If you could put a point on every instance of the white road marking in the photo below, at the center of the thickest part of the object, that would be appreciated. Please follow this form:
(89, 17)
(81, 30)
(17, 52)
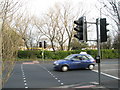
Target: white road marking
(25, 83)
(88, 86)
(51, 74)
(24, 78)
(94, 83)
(107, 75)
(23, 75)
(80, 85)
(61, 83)
(111, 70)
(54, 76)
(58, 80)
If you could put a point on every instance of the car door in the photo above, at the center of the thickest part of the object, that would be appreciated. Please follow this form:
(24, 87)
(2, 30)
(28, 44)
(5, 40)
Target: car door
(75, 62)
(84, 61)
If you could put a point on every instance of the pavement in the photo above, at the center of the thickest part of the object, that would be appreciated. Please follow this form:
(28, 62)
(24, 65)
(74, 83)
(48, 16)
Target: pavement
(91, 86)
(83, 86)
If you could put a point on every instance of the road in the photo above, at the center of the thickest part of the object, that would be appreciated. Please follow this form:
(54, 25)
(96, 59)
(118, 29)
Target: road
(41, 75)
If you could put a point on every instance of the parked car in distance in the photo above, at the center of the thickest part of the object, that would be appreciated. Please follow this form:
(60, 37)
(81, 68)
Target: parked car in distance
(75, 61)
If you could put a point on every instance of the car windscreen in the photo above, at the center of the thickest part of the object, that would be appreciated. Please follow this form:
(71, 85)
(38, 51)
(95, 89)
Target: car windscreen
(69, 57)
(90, 57)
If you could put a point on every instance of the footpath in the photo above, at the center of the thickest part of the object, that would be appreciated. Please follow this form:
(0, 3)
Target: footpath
(108, 85)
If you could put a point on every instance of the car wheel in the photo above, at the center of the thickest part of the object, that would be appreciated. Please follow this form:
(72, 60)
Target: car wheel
(64, 68)
(91, 66)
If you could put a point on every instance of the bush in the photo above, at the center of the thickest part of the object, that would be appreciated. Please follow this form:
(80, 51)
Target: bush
(105, 54)
(29, 54)
(92, 52)
(109, 54)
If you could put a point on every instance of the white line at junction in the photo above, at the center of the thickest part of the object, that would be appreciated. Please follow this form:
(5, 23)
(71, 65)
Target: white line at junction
(107, 75)
(111, 70)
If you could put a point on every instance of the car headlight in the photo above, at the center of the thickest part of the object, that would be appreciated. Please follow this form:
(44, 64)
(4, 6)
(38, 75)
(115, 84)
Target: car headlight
(55, 63)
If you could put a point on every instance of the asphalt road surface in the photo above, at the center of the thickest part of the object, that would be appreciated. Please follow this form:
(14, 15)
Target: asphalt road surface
(41, 75)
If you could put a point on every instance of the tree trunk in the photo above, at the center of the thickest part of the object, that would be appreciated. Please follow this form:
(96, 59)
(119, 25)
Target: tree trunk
(52, 45)
(61, 46)
(69, 42)
(26, 43)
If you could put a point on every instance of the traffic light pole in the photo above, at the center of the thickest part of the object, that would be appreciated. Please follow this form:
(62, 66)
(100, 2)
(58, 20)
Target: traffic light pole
(98, 47)
(81, 32)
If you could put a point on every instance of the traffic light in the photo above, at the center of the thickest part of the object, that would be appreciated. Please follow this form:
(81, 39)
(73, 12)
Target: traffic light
(103, 30)
(40, 44)
(45, 44)
(81, 29)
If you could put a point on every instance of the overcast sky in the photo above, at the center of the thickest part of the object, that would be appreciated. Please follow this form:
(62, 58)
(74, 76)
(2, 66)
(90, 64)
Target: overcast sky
(38, 7)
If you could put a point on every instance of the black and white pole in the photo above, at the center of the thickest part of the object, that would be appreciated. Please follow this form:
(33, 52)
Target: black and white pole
(98, 48)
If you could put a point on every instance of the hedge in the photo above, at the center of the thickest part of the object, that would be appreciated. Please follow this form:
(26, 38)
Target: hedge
(29, 54)
(109, 54)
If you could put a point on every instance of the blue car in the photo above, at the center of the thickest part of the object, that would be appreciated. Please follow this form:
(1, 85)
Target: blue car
(75, 61)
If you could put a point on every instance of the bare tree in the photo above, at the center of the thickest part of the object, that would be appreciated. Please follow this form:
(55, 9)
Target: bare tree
(60, 37)
(68, 17)
(48, 27)
(112, 11)
(10, 39)
(58, 26)
(24, 27)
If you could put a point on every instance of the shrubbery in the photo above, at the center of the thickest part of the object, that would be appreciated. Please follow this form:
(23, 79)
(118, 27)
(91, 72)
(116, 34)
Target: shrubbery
(29, 54)
(109, 53)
